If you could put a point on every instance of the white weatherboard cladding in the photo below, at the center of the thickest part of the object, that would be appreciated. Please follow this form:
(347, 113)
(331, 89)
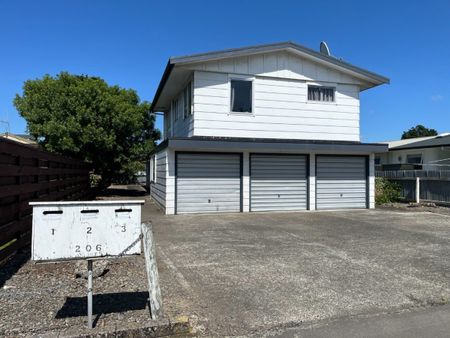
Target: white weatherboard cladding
(278, 182)
(208, 183)
(158, 188)
(77, 230)
(281, 110)
(177, 124)
(341, 182)
(279, 65)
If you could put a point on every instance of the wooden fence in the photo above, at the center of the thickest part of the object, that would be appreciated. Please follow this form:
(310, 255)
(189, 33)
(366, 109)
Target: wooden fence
(421, 185)
(29, 174)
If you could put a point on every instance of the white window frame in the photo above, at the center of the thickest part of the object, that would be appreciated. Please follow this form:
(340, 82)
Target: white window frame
(241, 78)
(321, 84)
(153, 169)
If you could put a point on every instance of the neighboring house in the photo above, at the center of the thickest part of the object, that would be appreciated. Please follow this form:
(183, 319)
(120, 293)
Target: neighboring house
(266, 128)
(21, 138)
(427, 153)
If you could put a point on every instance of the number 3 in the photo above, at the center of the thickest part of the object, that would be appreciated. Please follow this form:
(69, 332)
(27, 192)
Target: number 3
(124, 228)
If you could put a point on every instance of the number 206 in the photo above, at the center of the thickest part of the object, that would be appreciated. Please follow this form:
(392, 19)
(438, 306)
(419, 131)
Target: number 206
(88, 248)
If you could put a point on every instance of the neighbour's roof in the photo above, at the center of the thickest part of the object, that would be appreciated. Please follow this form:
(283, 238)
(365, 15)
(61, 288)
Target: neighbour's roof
(421, 142)
(370, 77)
(20, 138)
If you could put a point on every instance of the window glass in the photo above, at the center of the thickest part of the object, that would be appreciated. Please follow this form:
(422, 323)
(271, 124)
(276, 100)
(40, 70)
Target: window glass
(241, 96)
(319, 93)
(175, 109)
(414, 159)
(187, 95)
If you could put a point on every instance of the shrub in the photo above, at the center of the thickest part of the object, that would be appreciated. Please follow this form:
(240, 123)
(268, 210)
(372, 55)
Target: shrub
(386, 191)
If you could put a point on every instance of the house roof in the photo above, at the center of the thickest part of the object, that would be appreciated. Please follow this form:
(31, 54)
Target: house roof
(368, 76)
(441, 140)
(20, 138)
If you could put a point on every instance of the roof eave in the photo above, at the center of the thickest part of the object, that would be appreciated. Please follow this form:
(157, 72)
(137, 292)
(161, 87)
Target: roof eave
(161, 85)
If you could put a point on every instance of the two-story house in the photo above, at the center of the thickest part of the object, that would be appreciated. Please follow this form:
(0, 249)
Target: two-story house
(265, 128)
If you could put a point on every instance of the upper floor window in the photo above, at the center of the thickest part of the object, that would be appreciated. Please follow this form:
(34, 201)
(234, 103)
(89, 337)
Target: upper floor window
(175, 109)
(187, 100)
(241, 96)
(414, 159)
(320, 93)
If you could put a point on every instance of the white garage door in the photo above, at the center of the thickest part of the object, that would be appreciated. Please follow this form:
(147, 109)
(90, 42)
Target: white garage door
(208, 183)
(341, 182)
(278, 182)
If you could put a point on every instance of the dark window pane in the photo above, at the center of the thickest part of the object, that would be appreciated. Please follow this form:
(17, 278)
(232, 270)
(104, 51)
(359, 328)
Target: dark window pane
(241, 96)
(316, 93)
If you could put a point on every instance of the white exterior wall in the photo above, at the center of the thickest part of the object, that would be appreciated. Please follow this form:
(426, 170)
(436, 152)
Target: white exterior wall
(280, 110)
(170, 183)
(158, 187)
(429, 156)
(175, 125)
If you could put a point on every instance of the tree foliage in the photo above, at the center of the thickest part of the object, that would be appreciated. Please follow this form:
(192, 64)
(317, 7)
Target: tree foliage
(83, 117)
(418, 131)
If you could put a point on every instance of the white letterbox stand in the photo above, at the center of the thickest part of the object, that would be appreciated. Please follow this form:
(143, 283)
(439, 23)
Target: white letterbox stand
(86, 230)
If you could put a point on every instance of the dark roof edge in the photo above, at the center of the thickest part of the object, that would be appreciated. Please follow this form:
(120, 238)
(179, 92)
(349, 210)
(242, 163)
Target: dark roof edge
(166, 143)
(162, 83)
(273, 47)
(270, 140)
(419, 147)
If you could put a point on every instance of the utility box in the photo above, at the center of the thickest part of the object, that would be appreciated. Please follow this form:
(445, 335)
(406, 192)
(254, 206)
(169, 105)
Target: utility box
(85, 229)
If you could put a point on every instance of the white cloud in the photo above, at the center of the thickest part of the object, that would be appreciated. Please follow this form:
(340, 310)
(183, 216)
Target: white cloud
(437, 97)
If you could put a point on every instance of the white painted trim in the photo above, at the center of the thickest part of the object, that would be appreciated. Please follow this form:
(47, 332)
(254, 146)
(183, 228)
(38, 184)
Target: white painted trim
(312, 181)
(242, 78)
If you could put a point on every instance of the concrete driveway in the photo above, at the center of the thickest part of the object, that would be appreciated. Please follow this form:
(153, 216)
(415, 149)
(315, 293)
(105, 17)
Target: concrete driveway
(243, 274)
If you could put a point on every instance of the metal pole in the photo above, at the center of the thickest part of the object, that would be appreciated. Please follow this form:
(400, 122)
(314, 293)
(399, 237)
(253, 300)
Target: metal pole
(89, 295)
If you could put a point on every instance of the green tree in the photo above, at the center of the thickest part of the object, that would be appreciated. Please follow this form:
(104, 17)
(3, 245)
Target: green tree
(83, 117)
(418, 131)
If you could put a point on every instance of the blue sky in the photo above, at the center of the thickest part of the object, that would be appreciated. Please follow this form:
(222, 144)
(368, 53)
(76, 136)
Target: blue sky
(128, 43)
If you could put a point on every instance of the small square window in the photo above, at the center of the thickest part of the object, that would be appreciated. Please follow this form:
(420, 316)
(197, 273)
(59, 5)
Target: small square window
(241, 96)
(319, 93)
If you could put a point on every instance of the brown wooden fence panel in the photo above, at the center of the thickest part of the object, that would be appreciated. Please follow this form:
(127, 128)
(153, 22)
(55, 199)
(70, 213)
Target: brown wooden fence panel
(30, 174)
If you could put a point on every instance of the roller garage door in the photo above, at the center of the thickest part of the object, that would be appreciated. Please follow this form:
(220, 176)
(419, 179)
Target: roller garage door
(278, 182)
(208, 183)
(341, 182)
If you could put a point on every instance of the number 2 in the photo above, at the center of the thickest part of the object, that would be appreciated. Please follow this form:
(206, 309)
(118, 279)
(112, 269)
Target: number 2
(77, 248)
(89, 230)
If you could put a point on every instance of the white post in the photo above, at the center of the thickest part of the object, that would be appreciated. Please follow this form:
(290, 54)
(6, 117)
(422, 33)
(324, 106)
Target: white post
(417, 190)
(152, 271)
(312, 181)
(89, 295)
(246, 182)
